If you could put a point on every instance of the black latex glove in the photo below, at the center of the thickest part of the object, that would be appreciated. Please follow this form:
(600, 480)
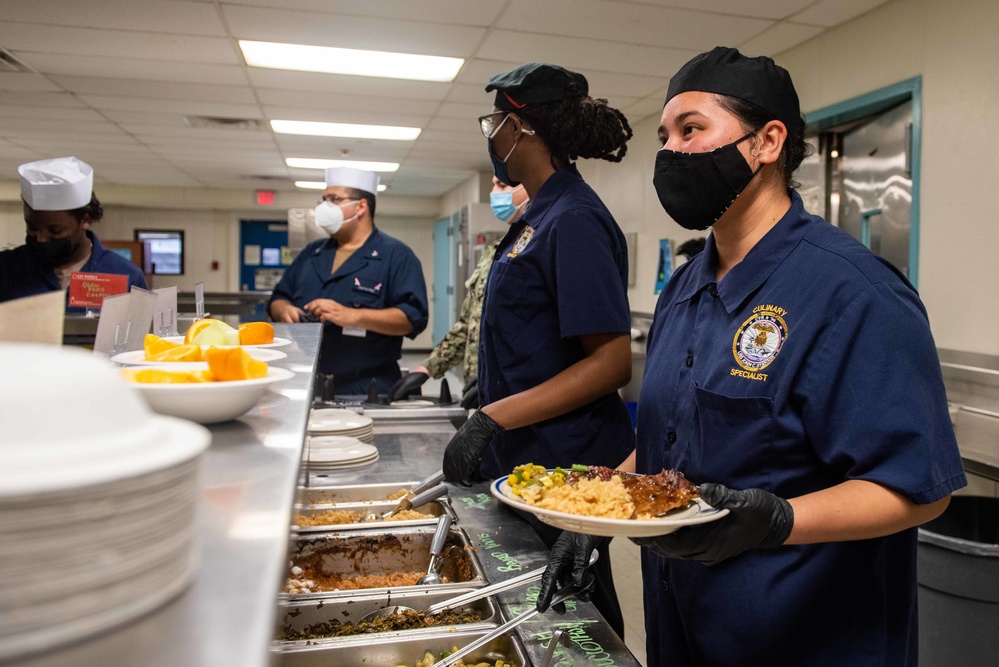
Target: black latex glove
(568, 562)
(464, 452)
(406, 386)
(470, 394)
(756, 519)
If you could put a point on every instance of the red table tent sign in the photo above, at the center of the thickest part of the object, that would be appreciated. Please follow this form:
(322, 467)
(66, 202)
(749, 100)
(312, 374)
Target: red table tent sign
(87, 290)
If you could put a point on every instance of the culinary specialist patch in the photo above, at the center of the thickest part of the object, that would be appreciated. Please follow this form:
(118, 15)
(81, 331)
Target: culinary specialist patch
(522, 241)
(760, 338)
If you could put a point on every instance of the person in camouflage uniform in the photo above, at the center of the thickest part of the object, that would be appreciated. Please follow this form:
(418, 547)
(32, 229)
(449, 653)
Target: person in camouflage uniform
(461, 343)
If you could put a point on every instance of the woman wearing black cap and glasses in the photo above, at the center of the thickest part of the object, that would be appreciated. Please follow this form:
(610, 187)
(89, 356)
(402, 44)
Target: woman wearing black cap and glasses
(554, 344)
(793, 373)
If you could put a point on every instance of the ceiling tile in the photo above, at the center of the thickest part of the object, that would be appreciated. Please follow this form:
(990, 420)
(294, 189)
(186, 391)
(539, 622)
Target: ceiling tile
(357, 149)
(79, 127)
(353, 32)
(461, 12)
(157, 89)
(145, 132)
(25, 81)
(360, 117)
(42, 114)
(834, 12)
(470, 112)
(39, 99)
(774, 9)
(580, 53)
(337, 103)
(116, 43)
(147, 16)
(131, 68)
(629, 23)
(315, 82)
(186, 107)
(478, 71)
(781, 37)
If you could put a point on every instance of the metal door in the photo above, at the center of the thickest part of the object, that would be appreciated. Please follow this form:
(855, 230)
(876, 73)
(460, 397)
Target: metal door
(444, 277)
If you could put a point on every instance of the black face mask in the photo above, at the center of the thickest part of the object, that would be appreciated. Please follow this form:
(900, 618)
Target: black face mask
(52, 253)
(697, 188)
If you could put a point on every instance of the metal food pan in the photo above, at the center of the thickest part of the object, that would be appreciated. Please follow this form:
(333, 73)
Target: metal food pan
(358, 493)
(299, 616)
(351, 554)
(405, 651)
(434, 508)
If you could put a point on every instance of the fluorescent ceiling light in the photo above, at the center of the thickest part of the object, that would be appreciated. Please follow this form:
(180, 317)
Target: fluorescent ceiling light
(321, 185)
(332, 60)
(345, 130)
(313, 163)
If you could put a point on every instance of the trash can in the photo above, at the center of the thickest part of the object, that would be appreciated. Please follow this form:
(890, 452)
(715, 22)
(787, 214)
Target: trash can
(958, 576)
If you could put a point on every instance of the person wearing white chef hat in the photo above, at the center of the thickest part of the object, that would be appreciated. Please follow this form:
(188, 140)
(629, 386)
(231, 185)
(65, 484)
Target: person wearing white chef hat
(366, 287)
(59, 210)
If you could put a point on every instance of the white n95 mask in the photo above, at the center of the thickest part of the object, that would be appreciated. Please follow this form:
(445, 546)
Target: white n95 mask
(329, 217)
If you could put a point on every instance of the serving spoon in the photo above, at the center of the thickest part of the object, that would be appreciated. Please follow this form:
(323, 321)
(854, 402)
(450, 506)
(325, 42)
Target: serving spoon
(423, 498)
(473, 596)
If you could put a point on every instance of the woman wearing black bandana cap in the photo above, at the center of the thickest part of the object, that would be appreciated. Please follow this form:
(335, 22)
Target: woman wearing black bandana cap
(554, 337)
(791, 372)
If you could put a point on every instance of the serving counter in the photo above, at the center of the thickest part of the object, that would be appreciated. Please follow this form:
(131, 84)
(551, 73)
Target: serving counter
(228, 615)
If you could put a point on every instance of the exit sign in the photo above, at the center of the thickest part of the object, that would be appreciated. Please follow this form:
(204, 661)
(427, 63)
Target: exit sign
(265, 197)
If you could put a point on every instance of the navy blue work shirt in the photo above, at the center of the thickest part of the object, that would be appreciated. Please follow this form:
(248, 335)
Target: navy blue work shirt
(382, 273)
(810, 363)
(560, 273)
(22, 275)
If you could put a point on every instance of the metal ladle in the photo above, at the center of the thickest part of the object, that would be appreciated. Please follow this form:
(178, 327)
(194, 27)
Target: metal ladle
(433, 577)
(409, 503)
(473, 596)
(561, 596)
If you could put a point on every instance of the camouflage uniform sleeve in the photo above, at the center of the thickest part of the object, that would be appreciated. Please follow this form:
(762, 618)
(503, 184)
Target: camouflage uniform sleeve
(461, 343)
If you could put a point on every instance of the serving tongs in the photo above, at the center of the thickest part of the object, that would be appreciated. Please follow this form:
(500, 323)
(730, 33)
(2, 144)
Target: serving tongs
(423, 498)
(562, 595)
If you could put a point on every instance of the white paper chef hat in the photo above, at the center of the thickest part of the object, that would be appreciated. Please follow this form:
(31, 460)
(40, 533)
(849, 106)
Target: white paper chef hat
(59, 184)
(348, 177)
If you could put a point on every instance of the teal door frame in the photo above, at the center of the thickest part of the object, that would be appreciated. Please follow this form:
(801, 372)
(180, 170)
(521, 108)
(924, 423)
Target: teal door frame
(874, 102)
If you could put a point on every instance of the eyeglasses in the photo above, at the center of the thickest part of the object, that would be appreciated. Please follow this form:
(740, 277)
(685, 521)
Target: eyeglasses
(488, 125)
(334, 199)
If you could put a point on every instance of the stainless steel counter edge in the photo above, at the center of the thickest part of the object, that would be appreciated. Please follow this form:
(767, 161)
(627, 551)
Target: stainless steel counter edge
(250, 472)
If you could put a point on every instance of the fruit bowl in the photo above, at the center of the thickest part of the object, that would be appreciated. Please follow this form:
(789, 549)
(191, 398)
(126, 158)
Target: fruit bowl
(208, 402)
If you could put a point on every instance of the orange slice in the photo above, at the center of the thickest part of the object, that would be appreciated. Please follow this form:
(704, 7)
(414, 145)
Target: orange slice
(195, 328)
(234, 364)
(153, 345)
(157, 376)
(256, 333)
(178, 353)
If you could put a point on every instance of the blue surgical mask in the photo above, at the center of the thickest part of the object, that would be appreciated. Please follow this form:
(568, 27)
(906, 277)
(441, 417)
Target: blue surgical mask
(502, 204)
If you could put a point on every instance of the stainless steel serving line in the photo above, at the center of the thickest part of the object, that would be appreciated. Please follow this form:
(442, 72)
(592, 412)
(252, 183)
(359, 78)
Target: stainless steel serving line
(504, 545)
(227, 616)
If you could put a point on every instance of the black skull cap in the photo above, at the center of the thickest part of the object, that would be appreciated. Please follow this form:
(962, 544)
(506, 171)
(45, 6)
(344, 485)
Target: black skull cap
(725, 71)
(534, 83)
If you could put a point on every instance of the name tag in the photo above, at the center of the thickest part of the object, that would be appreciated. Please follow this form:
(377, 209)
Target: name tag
(357, 332)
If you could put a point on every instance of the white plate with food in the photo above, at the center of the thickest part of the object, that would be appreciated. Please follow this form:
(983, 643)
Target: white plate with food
(208, 402)
(692, 511)
(138, 357)
(277, 342)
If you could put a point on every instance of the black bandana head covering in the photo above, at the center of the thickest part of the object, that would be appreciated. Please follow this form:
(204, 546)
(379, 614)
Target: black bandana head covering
(759, 81)
(533, 83)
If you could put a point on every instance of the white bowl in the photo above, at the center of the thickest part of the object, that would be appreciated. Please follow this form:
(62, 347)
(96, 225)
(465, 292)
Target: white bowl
(208, 402)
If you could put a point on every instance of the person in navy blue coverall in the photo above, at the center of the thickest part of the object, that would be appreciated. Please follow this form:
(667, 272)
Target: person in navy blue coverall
(58, 243)
(554, 339)
(365, 286)
(792, 373)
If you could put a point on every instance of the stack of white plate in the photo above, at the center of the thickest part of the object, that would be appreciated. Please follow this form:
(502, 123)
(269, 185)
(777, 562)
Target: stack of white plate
(97, 500)
(334, 421)
(338, 452)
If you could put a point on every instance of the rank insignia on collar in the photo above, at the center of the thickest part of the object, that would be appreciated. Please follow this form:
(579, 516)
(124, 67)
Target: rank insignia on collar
(522, 241)
(374, 253)
(760, 338)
